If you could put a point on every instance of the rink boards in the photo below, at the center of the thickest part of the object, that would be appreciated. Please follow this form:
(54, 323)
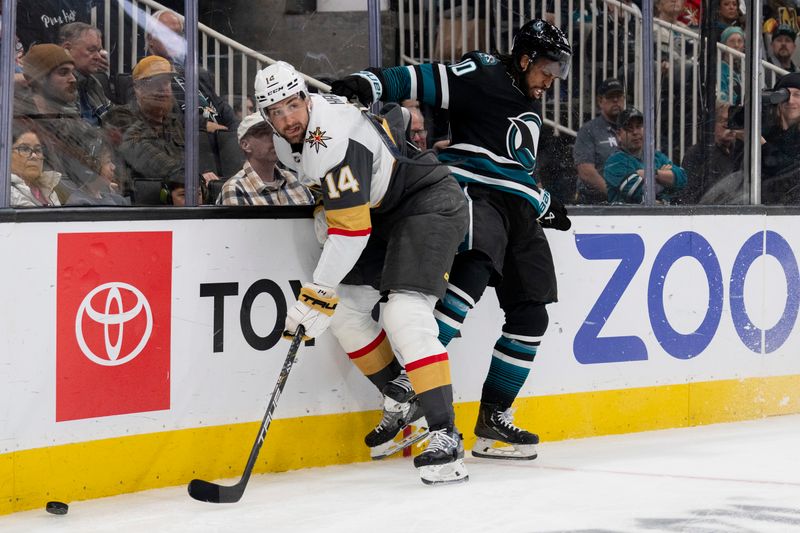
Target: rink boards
(140, 354)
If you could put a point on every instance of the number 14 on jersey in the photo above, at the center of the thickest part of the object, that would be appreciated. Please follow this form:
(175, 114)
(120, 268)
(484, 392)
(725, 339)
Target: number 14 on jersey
(345, 182)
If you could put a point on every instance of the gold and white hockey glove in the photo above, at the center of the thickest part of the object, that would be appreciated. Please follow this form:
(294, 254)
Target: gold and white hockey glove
(313, 310)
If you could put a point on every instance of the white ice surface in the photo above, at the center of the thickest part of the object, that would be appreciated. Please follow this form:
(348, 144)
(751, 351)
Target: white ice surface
(738, 477)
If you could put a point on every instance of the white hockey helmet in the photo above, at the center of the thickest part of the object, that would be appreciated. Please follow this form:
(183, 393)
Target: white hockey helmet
(277, 82)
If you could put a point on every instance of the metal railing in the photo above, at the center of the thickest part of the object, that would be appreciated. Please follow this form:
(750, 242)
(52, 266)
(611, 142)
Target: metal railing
(226, 60)
(606, 36)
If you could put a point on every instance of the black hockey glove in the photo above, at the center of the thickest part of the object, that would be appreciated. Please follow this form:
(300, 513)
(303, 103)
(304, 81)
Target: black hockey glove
(366, 86)
(556, 216)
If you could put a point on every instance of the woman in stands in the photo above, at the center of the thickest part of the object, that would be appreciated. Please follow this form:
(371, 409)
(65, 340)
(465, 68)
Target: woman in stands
(31, 185)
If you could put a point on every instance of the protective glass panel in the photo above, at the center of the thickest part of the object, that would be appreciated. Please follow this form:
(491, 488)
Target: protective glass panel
(323, 40)
(693, 89)
(105, 112)
(579, 110)
(713, 161)
(780, 105)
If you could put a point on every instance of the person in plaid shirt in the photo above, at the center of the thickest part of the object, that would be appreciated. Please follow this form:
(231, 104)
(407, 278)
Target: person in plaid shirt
(261, 181)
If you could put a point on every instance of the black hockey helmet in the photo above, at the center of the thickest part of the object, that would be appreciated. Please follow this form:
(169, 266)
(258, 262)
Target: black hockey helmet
(537, 39)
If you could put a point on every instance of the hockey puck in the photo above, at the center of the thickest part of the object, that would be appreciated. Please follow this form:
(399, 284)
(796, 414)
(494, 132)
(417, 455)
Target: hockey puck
(56, 507)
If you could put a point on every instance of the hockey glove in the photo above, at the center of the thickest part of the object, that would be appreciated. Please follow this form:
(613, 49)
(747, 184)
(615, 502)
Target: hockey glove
(555, 216)
(365, 86)
(313, 310)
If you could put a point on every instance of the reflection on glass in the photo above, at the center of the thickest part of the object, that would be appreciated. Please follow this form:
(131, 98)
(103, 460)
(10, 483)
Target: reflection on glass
(90, 104)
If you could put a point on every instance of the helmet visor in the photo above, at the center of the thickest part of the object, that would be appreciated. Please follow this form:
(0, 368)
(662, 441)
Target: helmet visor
(559, 65)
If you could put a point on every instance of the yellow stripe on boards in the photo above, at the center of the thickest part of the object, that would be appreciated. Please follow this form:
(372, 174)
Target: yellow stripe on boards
(70, 472)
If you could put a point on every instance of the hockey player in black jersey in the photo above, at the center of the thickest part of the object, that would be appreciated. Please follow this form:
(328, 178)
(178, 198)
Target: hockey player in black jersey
(495, 124)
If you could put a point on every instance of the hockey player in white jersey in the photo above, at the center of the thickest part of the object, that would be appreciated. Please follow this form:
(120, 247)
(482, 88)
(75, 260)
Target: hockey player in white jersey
(394, 225)
(495, 123)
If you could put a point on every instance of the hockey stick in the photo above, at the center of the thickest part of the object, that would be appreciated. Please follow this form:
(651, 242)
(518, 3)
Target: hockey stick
(205, 491)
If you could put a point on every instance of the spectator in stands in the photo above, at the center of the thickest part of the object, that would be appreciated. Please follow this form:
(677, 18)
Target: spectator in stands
(729, 14)
(237, 106)
(261, 181)
(675, 59)
(668, 39)
(99, 187)
(418, 131)
(51, 101)
(731, 66)
(173, 191)
(596, 141)
(164, 37)
(624, 170)
(779, 153)
(85, 44)
(153, 145)
(705, 169)
(31, 185)
(783, 46)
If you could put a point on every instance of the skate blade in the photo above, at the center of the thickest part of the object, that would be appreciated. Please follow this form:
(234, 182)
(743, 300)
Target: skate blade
(383, 451)
(488, 449)
(445, 474)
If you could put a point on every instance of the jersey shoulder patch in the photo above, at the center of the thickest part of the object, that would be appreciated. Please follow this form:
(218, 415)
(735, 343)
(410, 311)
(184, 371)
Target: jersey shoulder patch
(484, 58)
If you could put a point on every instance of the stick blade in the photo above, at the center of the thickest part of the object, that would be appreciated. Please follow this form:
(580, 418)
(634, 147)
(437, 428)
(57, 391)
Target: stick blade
(206, 491)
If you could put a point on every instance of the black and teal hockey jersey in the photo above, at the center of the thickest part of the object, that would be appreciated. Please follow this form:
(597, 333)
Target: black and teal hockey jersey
(494, 127)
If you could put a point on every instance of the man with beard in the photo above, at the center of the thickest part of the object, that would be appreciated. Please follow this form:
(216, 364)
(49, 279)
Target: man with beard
(50, 101)
(624, 170)
(153, 145)
(596, 141)
(84, 43)
(394, 220)
(495, 123)
(783, 47)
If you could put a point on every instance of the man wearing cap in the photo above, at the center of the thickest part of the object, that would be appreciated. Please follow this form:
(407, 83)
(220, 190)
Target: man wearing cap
(50, 100)
(153, 145)
(596, 141)
(624, 170)
(261, 181)
(783, 46)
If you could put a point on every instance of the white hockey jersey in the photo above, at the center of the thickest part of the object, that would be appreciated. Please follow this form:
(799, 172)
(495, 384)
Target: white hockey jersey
(351, 157)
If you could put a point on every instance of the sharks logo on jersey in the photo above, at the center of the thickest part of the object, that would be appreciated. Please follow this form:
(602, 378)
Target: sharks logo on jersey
(522, 138)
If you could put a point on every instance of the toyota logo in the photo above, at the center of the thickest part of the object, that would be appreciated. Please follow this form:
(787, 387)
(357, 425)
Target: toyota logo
(113, 314)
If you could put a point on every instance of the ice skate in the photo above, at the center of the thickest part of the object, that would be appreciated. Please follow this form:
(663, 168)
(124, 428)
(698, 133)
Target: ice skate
(495, 427)
(442, 462)
(401, 409)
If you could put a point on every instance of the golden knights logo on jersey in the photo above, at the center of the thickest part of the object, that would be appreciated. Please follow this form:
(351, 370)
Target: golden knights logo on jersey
(317, 138)
(522, 138)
